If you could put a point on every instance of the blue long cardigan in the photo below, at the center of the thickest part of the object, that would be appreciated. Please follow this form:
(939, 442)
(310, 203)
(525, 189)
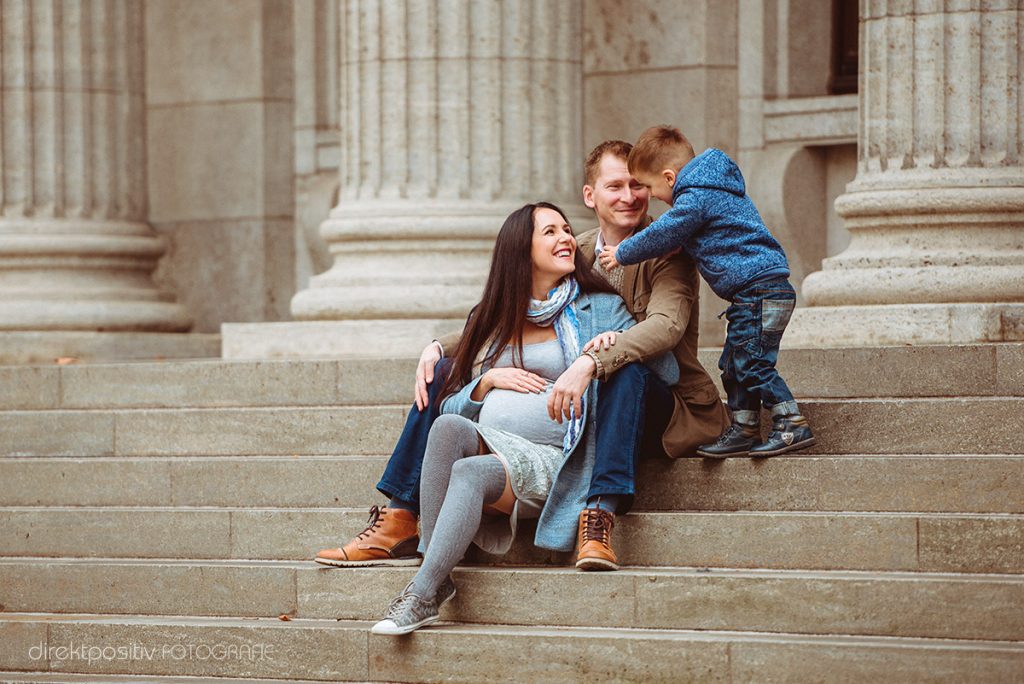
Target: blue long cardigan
(556, 528)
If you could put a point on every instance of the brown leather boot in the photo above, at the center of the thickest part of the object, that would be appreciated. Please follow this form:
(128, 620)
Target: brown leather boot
(390, 538)
(595, 540)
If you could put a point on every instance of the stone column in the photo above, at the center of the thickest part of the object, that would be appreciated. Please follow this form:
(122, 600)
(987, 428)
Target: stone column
(75, 251)
(453, 114)
(936, 211)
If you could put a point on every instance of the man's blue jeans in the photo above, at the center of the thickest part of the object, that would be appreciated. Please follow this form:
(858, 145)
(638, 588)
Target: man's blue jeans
(401, 478)
(633, 409)
(757, 317)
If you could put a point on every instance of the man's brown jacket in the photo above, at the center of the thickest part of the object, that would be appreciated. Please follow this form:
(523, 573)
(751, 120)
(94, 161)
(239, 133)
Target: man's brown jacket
(663, 296)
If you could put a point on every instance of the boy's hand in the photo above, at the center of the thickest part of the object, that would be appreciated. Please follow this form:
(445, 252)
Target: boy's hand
(603, 341)
(607, 259)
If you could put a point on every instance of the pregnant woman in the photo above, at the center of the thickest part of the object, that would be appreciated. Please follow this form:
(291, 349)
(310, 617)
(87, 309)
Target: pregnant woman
(502, 451)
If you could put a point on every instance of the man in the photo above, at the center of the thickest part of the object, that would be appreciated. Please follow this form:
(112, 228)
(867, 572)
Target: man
(636, 412)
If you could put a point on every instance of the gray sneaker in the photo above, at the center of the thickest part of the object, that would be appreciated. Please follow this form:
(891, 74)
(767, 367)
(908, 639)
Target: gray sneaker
(445, 592)
(408, 612)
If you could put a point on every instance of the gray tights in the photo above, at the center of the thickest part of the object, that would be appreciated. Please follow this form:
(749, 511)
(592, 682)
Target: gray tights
(455, 483)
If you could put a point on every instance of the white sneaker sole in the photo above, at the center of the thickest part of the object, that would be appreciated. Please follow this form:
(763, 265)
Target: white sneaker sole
(389, 628)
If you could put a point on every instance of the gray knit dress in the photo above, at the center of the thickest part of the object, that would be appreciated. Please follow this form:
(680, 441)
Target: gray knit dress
(517, 429)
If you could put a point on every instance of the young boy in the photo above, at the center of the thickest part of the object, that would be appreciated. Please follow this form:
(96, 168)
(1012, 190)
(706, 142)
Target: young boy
(712, 218)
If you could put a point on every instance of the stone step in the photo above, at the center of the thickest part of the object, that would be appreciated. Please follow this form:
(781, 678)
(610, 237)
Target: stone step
(854, 426)
(857, 603)
(330, 650)
(71, 678)
(919, 542)
(920, 483)
(928, 371)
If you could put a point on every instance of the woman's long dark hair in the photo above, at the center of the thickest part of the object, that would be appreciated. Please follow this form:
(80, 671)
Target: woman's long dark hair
(501, 314)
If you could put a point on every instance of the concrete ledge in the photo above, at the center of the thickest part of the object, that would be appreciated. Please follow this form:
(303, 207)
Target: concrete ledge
(319, 339)
(327, 650)
(880, 604)
(44, 347)
(923, 542)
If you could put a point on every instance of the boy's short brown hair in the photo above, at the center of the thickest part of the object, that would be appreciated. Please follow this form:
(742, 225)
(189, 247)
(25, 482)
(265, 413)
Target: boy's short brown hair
(616, 148)
(658, 148)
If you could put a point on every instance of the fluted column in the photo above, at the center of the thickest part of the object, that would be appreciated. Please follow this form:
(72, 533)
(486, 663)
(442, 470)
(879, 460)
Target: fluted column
(453, 114)
(75, 251)
(936, 212)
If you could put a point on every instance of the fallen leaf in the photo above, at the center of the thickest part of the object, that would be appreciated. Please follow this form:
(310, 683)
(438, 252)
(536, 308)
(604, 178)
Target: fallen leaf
(284, 618)
(66, 360)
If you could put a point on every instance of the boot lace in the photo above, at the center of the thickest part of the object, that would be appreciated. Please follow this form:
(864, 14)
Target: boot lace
(372, 523)
(401, 605)
(730, 433)
(597, 527)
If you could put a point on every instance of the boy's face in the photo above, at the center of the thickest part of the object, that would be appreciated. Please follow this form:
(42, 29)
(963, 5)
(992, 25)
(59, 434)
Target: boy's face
(618, 199)
(659, 184)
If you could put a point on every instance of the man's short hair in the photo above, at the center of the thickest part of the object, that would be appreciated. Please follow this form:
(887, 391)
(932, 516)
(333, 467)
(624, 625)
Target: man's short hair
(658, 148)
(616, 148)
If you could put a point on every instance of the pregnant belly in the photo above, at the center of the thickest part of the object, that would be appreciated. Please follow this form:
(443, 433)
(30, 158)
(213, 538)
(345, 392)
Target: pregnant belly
(523, 414)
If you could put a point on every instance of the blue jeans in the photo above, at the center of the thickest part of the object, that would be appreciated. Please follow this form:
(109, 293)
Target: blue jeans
(402, 476)
(757, 318)
(633, 409)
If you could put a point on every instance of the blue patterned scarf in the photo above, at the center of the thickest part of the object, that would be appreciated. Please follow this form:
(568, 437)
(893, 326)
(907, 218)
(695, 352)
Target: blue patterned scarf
(560, 309)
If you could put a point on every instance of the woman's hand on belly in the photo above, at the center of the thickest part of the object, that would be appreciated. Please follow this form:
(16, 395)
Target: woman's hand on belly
(515, 379)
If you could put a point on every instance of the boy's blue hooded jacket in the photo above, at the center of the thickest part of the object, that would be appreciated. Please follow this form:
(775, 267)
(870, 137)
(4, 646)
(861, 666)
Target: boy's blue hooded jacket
(716, 223)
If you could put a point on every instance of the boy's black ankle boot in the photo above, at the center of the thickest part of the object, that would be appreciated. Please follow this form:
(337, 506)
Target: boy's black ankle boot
(735, 441)
(789, 433)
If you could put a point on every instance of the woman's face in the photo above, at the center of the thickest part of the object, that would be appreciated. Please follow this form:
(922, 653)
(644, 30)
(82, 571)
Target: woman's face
(554, 248)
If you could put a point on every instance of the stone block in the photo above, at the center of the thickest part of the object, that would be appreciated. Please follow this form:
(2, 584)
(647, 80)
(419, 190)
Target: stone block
(548, 655)
(232, 258)
(56, 433)
(44, 347)
(29, 387)
(291, 534)
(218, 648)
(198, 52)
(158, 588)
(403, 339)
(972, 543)
(916, 426)
(1009, 369)
(115, 533)
(218, 175)
(910, 661)
(84, 482)
(259, 431)
(770, 540)
(645, 35)
(278, 482)
(24, 643)
(674, 95)
(200, 384)
(834, 603)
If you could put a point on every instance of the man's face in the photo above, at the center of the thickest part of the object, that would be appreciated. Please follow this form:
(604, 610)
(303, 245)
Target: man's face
(618, 199)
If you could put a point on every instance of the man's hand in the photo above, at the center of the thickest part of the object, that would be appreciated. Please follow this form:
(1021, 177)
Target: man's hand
(605, 340)
(425, 373)
(607, 258)
(567, 393)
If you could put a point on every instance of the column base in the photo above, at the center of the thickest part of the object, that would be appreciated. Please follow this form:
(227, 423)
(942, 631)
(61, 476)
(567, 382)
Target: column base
(914, 324)
(320, 339)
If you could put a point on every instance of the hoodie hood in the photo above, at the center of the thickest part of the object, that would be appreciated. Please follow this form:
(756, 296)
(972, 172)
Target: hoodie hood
(712, 170)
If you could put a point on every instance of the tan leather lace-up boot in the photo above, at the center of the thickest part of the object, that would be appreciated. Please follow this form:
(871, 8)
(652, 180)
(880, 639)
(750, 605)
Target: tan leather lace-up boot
(390, 538)
(595, 540)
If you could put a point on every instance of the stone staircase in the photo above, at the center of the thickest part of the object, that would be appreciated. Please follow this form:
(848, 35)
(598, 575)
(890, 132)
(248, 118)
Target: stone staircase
(160, 517)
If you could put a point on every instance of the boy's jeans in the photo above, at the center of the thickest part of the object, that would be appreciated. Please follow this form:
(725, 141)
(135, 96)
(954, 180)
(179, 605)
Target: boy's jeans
(757, 318)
